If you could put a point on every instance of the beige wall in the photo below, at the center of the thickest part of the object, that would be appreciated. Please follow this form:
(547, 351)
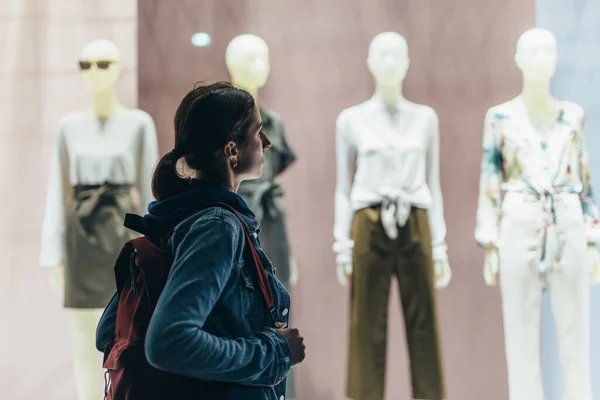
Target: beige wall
(461, 64)
(40, 42)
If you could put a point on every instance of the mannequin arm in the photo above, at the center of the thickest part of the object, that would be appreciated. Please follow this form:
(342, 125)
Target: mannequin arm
(57, 277)
(345, 168)
(490, 266)
(59, 191)
(294, 272)
(443, 273)
(344, 273)
(288, 155)
(590, 210)
(437, 223)
(147, 159)
(594, 256)
(489, 207)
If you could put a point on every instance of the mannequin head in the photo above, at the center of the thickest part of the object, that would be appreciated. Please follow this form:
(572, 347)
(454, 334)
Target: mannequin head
(388, 59)
(100, 66)
(247, 59)
(536, 55)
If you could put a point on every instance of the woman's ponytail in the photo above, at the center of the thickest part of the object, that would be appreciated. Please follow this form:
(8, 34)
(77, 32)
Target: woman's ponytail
(166, 182)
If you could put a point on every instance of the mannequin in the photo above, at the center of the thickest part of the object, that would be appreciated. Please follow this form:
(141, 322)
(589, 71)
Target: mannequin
(536, 215)
(389, 220)
(247, 59)
(101, 154)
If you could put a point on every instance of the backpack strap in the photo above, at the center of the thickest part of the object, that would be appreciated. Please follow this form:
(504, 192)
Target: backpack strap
(263, 278)
(138, 224)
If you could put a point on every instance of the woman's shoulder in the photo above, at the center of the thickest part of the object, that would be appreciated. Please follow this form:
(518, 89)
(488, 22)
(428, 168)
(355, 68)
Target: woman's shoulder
(210, 227)
(212, 219)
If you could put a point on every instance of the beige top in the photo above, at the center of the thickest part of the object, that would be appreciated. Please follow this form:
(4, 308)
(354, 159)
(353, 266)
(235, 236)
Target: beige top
(120, 149)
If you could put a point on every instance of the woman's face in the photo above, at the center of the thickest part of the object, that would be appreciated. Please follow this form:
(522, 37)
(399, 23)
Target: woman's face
(251, 155)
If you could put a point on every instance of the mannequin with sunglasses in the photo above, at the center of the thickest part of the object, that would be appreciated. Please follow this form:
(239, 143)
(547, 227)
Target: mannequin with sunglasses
(103, 157)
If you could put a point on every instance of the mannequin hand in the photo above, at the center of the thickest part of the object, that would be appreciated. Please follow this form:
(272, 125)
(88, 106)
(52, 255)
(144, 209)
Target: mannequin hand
(490, 266)
(443, 273)
(344, 273)
(594, 264)
(57, 277)
(294, 273)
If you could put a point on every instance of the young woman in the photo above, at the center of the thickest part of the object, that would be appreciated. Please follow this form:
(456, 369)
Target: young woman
(211, 322)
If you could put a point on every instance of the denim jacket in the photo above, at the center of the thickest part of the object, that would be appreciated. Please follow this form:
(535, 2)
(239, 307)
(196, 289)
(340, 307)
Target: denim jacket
(211, 321)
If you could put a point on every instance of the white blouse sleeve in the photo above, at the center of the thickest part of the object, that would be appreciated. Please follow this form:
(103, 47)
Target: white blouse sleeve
(591, 216)
(437, 224)
(345, 169)
(487, 226)
(147, 159)
(58, 194)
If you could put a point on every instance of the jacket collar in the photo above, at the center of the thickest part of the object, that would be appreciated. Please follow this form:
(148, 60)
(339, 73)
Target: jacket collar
(201, 195)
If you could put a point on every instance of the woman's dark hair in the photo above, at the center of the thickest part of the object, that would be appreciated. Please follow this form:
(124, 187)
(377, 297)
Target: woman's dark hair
(208, 117)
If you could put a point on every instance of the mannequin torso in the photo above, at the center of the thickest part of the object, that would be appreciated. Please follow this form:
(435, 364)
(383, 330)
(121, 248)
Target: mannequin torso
(106, 143)
(107, 149)
(390, 145)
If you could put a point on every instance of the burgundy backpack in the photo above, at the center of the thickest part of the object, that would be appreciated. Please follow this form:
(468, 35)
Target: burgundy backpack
(141, 272)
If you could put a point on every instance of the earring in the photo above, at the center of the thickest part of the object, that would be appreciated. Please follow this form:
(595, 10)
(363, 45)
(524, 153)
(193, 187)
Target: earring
(235, 163)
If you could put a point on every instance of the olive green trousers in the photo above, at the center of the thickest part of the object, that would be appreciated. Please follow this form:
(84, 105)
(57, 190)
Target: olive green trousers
(376, 258)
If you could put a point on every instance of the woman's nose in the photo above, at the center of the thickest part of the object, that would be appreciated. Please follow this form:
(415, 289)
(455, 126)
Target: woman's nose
(266, 142)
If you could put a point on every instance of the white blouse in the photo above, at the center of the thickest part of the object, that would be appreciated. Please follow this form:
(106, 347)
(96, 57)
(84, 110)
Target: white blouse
(545, 166)
(120, 149)
(388, 159)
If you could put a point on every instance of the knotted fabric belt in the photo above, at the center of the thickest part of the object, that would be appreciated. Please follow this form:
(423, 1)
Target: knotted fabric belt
(89, 199)
(548, 199)
(395, 210)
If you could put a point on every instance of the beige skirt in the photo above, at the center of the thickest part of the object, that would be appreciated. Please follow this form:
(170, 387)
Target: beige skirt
(94, 237)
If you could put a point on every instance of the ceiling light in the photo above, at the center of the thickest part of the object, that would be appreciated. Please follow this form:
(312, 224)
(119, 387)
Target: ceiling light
(201, 39)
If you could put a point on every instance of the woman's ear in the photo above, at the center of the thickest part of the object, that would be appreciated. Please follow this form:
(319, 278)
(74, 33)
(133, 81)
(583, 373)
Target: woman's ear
(231, 149)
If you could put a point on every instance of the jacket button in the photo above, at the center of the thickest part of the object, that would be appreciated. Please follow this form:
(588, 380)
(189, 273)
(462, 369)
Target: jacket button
(282, 398)
(285, 312)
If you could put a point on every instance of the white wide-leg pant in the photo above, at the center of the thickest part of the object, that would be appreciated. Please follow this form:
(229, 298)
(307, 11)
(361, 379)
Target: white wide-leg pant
(521, 242)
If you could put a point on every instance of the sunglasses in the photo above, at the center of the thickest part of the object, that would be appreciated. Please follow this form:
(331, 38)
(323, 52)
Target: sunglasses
(85, 65)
